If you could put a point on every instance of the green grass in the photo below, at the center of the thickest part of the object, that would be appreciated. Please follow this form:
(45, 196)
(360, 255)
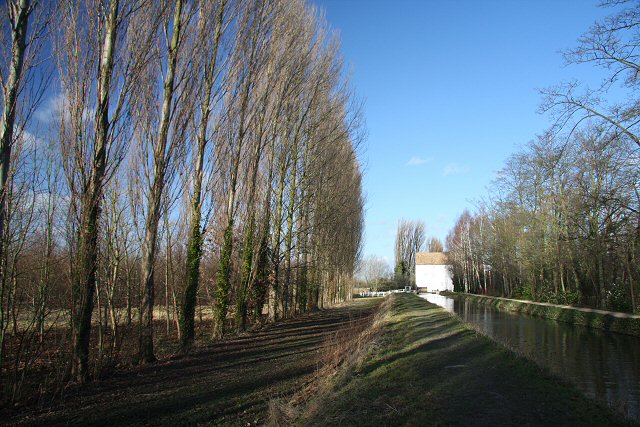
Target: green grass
(607, 322)
(425, 367)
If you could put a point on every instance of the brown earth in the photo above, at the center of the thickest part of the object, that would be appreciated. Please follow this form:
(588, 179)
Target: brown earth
(227, 382)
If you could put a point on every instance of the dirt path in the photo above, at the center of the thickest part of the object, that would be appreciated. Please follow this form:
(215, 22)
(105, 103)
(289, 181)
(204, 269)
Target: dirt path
(230, 382)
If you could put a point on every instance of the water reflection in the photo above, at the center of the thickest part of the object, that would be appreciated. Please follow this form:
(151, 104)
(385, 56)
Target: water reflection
(602, 364)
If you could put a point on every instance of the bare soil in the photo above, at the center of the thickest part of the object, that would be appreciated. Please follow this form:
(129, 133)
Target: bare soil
(227, 382)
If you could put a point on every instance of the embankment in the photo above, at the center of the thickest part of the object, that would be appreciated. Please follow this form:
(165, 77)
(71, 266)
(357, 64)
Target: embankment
(423, 366)
(622, 323)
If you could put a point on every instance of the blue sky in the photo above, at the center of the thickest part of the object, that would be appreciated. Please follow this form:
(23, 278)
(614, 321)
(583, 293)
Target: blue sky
(450, 91)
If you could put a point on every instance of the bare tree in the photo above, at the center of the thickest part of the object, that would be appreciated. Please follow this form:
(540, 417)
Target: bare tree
(561, 226)
(92, 150)
(434, 245)
(23, 79)
(372, 269)
(18, 16)
(208, 146)
(213, 17)
(410, 239)
(247, 62)
(611, 45)
(164, 148)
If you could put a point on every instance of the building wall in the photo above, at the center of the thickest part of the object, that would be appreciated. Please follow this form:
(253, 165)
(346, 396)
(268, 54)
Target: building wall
(434, 278)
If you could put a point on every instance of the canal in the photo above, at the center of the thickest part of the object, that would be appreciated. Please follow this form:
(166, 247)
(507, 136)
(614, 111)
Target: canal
(604, 365)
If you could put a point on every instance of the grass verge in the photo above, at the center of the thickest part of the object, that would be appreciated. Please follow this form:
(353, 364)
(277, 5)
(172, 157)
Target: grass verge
(419, 365)
(341, 352)
(614, 322)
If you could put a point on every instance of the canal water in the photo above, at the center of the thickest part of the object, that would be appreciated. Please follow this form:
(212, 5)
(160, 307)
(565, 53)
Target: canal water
(604, 365)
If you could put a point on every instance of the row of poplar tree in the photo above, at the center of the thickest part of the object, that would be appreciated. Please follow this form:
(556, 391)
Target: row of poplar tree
(192, 153)
(562, 222)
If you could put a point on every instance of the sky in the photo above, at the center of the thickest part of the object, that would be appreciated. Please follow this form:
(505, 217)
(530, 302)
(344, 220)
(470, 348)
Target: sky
(450, 90)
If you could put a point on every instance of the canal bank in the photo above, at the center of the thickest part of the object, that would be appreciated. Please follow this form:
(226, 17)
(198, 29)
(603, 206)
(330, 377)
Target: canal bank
(602, 364)
(424, 366)
(622, 323)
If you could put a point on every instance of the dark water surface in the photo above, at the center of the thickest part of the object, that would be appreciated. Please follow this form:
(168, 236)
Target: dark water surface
(604, 365)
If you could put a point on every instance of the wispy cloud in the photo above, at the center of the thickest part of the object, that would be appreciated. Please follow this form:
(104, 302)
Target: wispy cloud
(417, 160)
(454, 169)
(57, 105)
(50, 109)
(30, 141)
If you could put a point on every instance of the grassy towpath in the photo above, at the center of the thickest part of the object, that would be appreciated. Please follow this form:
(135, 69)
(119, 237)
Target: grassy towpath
(227, 383)
(425, 367)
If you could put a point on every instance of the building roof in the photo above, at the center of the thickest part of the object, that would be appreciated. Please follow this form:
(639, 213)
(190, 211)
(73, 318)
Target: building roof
(432, 258)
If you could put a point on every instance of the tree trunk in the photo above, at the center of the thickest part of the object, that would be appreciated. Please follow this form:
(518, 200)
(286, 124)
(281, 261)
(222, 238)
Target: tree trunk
(85, 282)
(248, 247)
(224, 267)
(149, 247)
(194, 243)
(261, 287)
(289, 236)
(19, 18)
(275, 257)
(247, 269)
(224, 282)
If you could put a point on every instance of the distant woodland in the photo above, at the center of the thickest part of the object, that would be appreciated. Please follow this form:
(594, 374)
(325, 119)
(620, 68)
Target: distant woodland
(170, 170)
(562, 220)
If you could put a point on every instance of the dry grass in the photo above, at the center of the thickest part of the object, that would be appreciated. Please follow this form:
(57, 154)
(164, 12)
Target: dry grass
(36, 368)
(227, 382)
(60, 318)
(340, 356)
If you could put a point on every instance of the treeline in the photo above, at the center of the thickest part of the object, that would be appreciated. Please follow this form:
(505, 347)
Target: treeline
(410, 240)
(194, 161)
(562, 223)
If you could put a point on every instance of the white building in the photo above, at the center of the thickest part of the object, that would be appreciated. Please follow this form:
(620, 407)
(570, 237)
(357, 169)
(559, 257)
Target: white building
(433, 273)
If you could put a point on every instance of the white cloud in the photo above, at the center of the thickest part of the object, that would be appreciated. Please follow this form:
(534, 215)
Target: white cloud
(453, 169)
(30, 141)
(417, 160)
(50, 109)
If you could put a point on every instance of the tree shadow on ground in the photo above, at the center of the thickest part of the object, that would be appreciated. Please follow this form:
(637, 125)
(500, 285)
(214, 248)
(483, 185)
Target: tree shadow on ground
(227, 382)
